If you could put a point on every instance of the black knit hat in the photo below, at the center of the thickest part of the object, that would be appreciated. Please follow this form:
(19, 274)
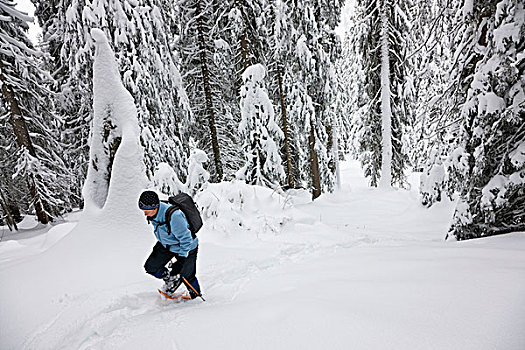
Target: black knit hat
(148, 200)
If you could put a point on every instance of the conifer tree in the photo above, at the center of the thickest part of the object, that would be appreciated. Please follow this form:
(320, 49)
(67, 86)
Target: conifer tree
(492, 135)
(260, 132)
(367, 37)
(382, 46)
(28, 103)
(11, 190)
(438, 91)
(349, 77)
(279, 60)
(311, 89)
(138, 33)
(244, 21)
(197, 175)
(115, 150)
(208, 75)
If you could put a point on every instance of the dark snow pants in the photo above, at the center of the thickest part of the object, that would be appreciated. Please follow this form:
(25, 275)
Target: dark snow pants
(156, 264)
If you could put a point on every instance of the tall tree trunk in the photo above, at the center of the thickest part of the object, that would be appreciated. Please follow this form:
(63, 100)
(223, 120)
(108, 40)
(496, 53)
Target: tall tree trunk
(386, 110)
(9, 217)
(335, 152)
(289, 169)
(208, 95)
(314, 164)
(244, 42)
(23, 140)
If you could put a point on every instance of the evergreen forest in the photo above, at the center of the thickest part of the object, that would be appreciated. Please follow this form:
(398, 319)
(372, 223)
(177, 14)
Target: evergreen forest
(267, 92)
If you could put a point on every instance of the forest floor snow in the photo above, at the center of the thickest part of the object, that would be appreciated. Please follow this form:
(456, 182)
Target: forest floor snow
(360, 268)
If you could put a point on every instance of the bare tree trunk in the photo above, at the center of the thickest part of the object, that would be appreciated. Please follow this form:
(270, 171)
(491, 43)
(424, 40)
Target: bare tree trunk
(314, 164)
(9, 218)
(333, 145)
(23, 140)
(386, 110)
(208, 95)
(244, 42)
(289, 169)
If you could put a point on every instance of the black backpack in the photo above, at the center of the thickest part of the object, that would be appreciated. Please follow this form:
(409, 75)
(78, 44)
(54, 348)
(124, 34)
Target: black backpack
(185, 203)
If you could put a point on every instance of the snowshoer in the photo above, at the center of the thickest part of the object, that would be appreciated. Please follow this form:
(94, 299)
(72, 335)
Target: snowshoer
(178, 243)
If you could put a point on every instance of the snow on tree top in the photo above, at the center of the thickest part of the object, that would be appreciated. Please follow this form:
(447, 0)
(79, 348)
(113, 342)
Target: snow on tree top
(98, 35)
(220, 44)
(256, 72)
(517, 157)
(490, 103)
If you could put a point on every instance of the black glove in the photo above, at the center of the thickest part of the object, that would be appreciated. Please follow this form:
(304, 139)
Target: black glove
(176, 267)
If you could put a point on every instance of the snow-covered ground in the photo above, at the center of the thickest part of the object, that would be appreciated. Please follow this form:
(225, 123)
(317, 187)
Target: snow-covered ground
(357, 269)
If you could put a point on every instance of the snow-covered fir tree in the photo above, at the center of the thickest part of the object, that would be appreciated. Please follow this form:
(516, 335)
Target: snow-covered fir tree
(439, 91)
(260, 133)
(279, 59)
(12, 191)
(367, 41)
(198, 176)
(382, 45)
(73, 92)
(311, 90)
(138, 33)
(165, 180)
(351, 77)
(347, 74)
(34, 175)
(492, 136)
(208, 76)
(244, 22)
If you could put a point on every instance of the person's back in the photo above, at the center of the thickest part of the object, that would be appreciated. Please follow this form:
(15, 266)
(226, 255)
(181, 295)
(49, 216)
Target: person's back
(179, 238)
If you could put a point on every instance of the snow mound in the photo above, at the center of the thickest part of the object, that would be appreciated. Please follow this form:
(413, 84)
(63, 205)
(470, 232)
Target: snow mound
(98, 35)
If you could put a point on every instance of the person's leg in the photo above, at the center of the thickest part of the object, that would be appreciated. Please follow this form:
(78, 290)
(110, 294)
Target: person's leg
(189, 270)
(156, 263)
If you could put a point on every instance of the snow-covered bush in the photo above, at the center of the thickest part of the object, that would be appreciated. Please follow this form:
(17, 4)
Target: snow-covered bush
(432, 179)
(198, 177)
(462, 218)
(165, 180)
(457, 168)
(246, 208)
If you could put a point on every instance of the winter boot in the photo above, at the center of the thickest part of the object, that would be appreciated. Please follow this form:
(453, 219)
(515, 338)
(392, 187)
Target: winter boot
(194, 287)
(172, 283)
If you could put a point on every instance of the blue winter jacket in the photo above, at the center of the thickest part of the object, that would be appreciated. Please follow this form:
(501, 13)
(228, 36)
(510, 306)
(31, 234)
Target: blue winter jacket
(180, 240)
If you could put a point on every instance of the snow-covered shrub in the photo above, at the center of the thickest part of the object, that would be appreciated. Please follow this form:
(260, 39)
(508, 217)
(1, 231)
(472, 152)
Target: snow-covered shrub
(198, 177)
(457, 168)
(432, 179)
(165, 180)
(246, 208)
(462, 218)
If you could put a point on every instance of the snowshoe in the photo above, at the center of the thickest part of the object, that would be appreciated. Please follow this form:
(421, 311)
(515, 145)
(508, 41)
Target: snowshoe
(180, 296)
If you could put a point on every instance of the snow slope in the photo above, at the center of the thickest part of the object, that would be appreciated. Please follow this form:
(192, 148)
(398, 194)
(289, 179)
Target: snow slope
(359, 269)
